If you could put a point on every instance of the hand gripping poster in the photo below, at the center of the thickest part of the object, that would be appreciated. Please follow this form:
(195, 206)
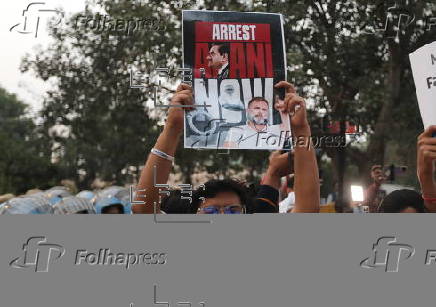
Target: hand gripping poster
(236, 58)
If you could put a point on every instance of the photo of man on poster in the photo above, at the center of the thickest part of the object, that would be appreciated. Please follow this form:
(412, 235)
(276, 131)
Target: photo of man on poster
(258, 132)
(218, 59)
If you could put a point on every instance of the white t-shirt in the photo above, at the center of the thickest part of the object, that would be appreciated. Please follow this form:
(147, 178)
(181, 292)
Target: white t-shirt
(246, 137)
(287, 203)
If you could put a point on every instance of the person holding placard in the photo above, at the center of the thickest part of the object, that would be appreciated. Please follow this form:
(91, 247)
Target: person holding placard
(307, 189)
(426, 167)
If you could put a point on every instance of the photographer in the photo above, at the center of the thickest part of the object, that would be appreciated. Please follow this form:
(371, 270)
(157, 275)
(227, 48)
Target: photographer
(374, 194)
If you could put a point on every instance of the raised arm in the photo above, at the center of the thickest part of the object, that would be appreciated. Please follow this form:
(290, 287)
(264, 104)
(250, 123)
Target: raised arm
(279, 105)
(306, 178)
(426, 167)
(267, 198)
(166, 144)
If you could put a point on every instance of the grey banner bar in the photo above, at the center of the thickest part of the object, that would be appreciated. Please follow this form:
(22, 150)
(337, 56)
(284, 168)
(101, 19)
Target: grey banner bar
(244, 261)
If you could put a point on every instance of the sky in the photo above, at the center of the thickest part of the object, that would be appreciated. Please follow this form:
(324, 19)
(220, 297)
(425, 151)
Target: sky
(14, 45)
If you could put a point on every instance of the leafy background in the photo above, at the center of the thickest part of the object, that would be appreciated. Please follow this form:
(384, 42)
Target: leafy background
(93, 125)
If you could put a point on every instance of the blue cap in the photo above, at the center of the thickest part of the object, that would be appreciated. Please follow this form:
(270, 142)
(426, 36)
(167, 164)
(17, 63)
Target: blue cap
(110, 201)
(74, 205)
(89, 195)
(56, 194)
(26, 205)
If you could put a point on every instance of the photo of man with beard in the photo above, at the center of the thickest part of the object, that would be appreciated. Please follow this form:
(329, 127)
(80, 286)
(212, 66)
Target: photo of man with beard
(258, 133)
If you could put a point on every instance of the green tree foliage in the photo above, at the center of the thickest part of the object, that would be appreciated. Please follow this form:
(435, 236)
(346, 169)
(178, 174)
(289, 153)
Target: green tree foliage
(24, 158)
(336, 55)
(111, 125)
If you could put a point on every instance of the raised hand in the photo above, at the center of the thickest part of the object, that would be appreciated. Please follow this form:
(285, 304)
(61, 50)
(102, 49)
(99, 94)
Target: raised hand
(182, 97)
(295, 106)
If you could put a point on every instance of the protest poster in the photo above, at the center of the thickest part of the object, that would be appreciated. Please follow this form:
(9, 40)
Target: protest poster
(423, 62)
(236, 58)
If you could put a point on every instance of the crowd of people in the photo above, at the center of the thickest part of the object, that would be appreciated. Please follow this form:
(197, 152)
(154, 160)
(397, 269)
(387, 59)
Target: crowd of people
(301, 192)
(290, 184)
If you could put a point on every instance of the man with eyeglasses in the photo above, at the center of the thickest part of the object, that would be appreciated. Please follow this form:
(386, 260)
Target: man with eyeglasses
(220, 197)
(228, 196)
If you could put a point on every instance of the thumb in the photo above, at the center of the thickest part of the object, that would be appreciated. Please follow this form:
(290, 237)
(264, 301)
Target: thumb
(430, 131)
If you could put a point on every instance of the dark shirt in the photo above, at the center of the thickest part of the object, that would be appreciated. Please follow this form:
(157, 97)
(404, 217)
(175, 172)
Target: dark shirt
(266, 200)
(224, 74)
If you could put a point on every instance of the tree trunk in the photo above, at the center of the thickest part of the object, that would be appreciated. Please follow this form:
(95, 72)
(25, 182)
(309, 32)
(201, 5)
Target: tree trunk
(377, 145)
(340, 203)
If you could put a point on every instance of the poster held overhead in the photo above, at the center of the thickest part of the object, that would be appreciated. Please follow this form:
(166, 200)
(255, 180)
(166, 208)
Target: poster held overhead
(236, 58)
(423, 62)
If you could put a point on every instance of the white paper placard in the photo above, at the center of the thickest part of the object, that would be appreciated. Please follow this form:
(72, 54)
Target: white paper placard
(423, 62)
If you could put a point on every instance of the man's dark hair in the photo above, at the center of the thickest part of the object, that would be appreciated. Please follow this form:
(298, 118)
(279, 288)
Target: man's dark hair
(174, 204)
(119, 207)
(399, 200)
(257, 99)
(213, 187)
(223, 48)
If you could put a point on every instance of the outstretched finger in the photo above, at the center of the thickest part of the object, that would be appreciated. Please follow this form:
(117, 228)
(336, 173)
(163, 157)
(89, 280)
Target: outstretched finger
(289, 88)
